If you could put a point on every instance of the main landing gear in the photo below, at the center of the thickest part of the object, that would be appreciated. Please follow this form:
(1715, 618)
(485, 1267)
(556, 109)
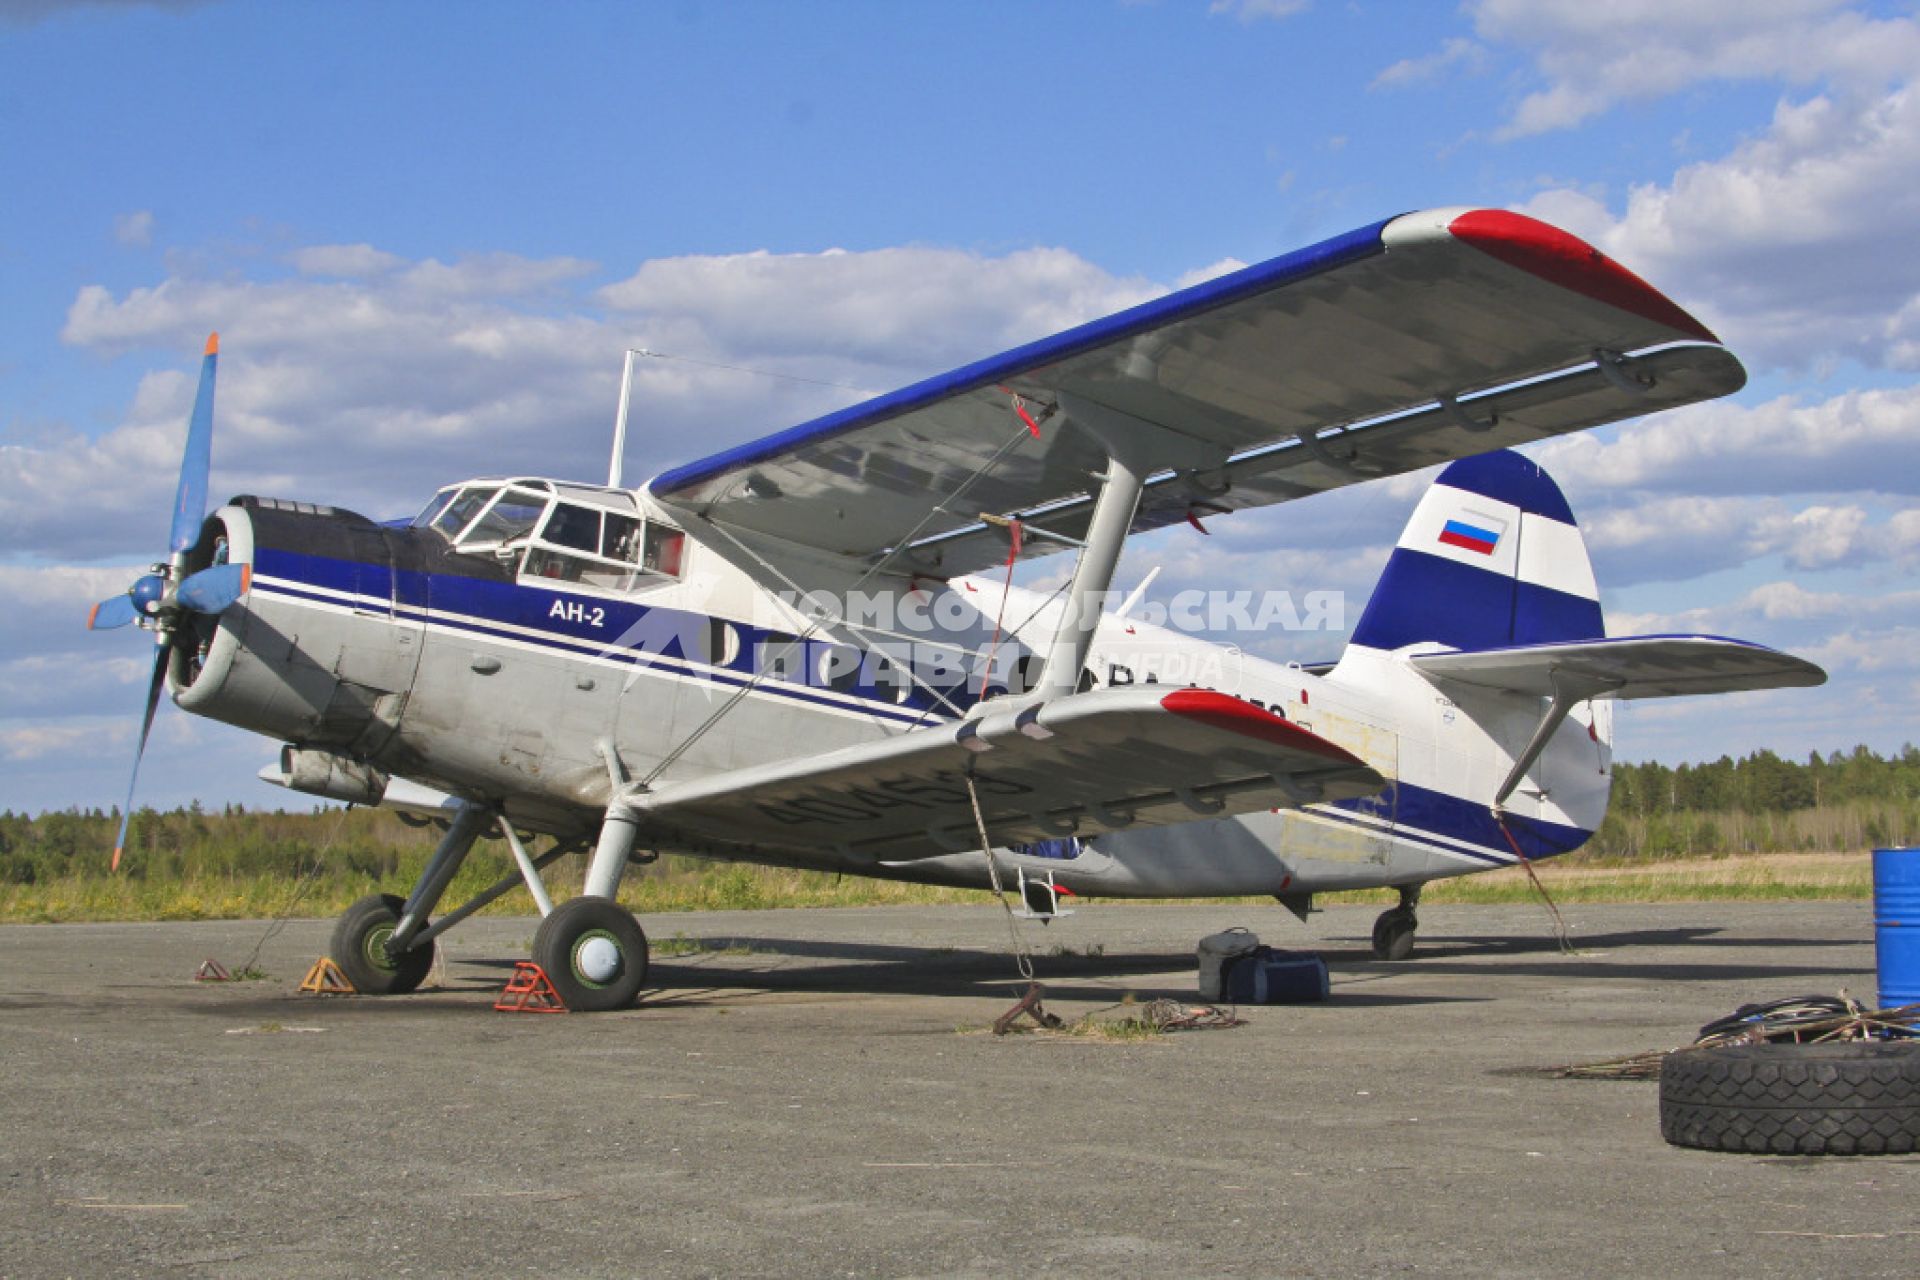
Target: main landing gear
(592, 949)
(1393, 931)
(594, 954)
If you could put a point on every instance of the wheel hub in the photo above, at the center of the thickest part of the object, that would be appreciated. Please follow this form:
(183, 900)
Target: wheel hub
(597, 959)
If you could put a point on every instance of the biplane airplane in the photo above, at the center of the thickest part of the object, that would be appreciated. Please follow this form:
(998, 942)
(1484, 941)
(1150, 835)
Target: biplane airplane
(695, 665)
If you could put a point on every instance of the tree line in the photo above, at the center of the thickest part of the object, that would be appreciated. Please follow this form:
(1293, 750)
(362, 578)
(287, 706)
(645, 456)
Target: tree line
(1757, 803)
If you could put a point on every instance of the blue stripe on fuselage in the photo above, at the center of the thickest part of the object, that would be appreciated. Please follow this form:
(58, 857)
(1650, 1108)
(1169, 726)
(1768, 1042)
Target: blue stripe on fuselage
(1419, 810)
(626, 632)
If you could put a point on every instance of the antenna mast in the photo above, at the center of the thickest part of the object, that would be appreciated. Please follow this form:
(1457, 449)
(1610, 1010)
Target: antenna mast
(620, 420)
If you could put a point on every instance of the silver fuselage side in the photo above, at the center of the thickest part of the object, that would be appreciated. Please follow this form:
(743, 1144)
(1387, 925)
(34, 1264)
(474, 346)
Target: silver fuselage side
(458, 672)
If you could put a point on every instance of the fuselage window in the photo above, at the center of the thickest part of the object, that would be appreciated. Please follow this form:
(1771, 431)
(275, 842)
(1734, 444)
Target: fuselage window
(598, 548)
(666, 547)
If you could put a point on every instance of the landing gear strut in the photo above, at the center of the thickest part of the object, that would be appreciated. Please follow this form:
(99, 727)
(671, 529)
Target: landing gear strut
(591, 947)
(1393, 931)
(378, 942)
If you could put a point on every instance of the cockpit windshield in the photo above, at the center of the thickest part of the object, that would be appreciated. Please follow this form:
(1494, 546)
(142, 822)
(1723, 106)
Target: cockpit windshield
(569, 534)
(509, 516)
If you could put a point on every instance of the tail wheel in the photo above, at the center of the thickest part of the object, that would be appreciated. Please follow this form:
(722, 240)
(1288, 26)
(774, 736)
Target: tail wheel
(1393, 934)
(594, 953)
(360, 948)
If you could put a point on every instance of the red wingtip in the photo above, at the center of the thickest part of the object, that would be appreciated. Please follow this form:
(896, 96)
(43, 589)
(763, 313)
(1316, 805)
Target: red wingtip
(1571, 263)
(213, 344)
(1224, 711)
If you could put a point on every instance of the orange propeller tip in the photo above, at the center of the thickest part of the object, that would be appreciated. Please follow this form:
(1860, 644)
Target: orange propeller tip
(91, 615)
(116, 858)
(213, 344)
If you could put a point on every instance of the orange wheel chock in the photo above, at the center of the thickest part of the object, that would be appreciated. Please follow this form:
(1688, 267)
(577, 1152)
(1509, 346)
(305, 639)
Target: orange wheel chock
(325, 979)
(529, 990)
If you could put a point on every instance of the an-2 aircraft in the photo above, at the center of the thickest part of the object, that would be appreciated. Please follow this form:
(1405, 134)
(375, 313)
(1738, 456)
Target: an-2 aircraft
(695, 665)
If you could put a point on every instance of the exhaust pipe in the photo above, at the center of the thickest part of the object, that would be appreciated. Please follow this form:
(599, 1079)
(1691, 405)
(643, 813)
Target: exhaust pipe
(330, 775)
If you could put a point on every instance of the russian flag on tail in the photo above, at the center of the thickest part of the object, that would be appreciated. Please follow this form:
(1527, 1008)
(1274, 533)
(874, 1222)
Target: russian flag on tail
(1470, 537)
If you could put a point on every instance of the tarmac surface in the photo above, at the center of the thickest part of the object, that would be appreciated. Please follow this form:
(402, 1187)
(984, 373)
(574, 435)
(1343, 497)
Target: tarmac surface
(817, 1096)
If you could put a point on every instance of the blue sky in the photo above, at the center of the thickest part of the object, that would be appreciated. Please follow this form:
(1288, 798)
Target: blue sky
(426, 233)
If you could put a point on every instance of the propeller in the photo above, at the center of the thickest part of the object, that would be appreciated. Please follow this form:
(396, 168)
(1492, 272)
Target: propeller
(162, 598)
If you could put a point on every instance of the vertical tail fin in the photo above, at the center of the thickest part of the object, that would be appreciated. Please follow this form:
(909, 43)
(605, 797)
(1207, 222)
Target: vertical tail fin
(1491, 558)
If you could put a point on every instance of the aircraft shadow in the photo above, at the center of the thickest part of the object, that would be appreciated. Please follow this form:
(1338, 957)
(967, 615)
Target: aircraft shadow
(731, 968)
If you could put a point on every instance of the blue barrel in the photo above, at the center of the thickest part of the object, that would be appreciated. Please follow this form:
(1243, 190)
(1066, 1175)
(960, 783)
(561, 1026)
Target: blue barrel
(1896, 925)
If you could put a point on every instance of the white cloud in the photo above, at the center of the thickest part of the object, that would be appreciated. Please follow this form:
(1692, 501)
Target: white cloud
(1458, 55)
(1594, 56)
(887, 307)
(33, 741)
(1858, 441)
(1212, 271)
(1255, 10)
(367, 391)
(349, 261)
(135, 230)
(28, 12)
(1791, 246)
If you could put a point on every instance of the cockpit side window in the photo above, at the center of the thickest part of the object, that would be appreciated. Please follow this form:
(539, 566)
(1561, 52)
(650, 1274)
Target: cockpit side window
(571, 526)
(597, 547)
(621, 538)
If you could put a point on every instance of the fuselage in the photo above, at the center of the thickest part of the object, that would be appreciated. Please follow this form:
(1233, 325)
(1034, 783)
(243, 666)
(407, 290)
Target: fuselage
(592, 638)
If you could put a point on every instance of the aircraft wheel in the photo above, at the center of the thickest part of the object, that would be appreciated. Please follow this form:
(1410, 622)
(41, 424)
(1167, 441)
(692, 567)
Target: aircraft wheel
(359, 948)
(1393, 934)
(594, 953)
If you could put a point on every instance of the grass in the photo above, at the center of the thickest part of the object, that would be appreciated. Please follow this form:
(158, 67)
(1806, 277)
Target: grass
(1762, 877)
(679, 885)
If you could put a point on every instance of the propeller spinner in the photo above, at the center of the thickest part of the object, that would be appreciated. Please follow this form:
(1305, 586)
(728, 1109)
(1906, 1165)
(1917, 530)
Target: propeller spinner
(161, 599)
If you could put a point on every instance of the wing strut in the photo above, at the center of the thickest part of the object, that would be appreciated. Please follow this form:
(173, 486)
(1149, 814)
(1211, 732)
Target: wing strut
(1123, 438)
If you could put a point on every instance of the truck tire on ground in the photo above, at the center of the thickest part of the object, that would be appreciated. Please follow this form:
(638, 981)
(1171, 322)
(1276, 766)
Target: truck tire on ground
(1858, 1098)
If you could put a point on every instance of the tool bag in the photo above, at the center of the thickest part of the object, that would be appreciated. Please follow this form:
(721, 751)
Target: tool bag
(1266, 976)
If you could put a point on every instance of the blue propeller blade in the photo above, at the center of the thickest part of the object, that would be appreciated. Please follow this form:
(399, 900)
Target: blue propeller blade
(190, 502)
(108, 614)
(146, 726)
(212, 590)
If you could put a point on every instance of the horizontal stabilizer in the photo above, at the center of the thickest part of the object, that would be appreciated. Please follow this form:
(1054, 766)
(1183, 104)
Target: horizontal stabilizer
(1626, 667)
(1078, 766)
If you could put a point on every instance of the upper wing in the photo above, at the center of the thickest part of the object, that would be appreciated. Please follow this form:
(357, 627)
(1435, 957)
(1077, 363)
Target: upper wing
(1095, 762)
(1628, 667)
(1409, 342)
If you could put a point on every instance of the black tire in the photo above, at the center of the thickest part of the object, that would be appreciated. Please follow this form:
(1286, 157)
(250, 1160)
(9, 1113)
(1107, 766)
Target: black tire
(1393, 934)
(560, 947)
(359, 948)
(1859, 1098)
